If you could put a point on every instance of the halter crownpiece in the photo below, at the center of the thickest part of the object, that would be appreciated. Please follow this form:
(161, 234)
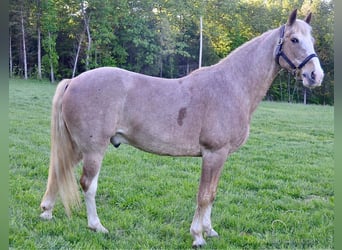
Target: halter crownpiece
(280, 53)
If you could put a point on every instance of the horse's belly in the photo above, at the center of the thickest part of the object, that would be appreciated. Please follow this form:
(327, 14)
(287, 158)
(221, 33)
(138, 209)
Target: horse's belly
(171, 144)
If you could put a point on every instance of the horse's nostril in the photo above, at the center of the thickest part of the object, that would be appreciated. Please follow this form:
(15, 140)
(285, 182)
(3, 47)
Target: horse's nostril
(304, 75)
(313, 75)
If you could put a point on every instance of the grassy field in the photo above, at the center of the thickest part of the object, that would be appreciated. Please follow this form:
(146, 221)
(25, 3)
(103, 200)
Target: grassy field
(275, 192)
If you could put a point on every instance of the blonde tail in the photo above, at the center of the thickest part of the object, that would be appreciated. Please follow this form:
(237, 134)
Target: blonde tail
(64, 153)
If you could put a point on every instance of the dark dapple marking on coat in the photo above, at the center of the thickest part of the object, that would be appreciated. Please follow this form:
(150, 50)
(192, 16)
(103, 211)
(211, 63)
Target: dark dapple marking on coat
(206, 113)
(181, 116)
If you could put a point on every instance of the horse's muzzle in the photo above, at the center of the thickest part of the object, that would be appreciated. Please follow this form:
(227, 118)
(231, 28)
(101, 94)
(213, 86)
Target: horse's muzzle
(313, 78)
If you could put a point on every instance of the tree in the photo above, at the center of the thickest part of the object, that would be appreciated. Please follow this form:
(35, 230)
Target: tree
(39, 49)
(10, 54)
(50, 28)
(86, 19)
(201, 42)
(23, 41)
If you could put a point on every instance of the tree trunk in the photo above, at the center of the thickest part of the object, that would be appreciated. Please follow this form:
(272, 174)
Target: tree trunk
(289, 86)
(39, 55)
(39, 41)
(201, 43)
(89, 45)
(76, 58)
(24, 44)
(52, 73)
(187, 67)
(304, 95)
(86, 25)
(10, 55)
(51, 61)
(281, 89)
(161, 66)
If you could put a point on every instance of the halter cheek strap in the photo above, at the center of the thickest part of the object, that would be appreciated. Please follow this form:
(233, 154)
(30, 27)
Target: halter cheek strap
(279, 53)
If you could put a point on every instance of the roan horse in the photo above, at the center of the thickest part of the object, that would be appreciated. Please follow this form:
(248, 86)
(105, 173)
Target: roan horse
(206, 113)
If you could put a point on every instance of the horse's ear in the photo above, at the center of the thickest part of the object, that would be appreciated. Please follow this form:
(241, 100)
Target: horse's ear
(292, 17)
(308, 18)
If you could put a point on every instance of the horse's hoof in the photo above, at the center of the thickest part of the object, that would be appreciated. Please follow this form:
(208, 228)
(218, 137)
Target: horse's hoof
(198, 243)
(102, 230)
(99, 229)
(212, 233)
(46, 215)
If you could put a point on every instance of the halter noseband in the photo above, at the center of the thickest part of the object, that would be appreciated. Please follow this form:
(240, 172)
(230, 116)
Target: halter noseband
(280, 53)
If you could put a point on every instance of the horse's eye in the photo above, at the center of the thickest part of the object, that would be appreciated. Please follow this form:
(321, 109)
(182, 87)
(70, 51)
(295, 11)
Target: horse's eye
(294, 40)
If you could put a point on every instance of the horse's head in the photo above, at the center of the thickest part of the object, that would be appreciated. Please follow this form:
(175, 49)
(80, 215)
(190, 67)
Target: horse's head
(295, 51)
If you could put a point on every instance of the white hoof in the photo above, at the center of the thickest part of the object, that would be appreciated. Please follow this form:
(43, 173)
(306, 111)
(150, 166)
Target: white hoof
(99, 228)
(46, 215)
(198, 243)
(102, 229)
(212, 233)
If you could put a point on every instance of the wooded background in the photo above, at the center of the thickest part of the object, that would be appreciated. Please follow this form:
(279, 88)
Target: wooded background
(55, 39)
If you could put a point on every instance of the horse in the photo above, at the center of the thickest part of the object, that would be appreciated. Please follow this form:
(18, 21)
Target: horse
(204, 114)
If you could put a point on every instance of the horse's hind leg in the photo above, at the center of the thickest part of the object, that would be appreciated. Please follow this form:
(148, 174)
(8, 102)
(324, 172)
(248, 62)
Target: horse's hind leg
(50, 195)
(211, 169)
(52, 189)
(91, 168)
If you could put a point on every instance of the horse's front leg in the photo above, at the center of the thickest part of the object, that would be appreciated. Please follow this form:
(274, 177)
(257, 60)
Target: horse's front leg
(212, 163)
(89, 178)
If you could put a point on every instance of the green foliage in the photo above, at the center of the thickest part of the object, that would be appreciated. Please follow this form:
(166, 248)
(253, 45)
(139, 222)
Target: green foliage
(51, 57)
(50, 28)
(276, 192)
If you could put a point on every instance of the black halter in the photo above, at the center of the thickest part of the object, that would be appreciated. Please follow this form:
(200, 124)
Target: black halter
(280, 53)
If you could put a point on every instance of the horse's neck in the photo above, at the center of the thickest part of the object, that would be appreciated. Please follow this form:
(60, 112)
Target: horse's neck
(253, 67)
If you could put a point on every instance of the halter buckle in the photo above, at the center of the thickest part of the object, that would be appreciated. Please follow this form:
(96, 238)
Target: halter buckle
(295, 72)
(280, 41)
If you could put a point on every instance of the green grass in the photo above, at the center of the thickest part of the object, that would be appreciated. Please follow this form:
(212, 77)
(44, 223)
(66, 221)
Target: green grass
(275, 192)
